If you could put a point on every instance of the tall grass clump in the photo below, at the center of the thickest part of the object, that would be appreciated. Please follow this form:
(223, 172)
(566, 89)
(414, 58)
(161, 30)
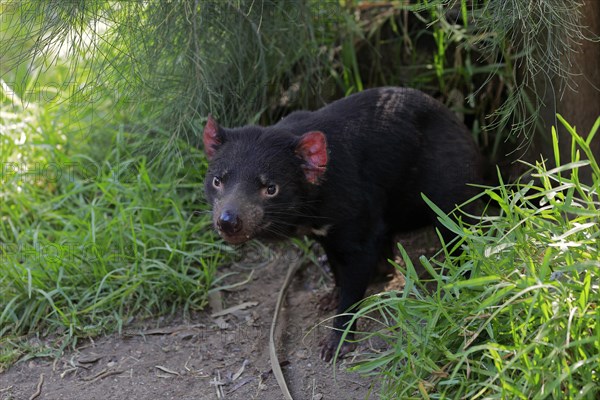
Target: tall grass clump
(88, 245)
(524, 324)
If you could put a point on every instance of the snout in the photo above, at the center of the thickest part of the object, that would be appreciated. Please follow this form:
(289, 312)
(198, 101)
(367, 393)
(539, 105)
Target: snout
(229, 223)
(233, 226)
(237, 221)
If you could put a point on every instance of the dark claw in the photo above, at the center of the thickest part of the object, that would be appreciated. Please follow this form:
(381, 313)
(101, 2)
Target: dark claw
(330, 343)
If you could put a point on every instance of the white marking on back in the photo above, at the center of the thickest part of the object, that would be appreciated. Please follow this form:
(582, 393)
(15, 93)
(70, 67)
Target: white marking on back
(388, 102)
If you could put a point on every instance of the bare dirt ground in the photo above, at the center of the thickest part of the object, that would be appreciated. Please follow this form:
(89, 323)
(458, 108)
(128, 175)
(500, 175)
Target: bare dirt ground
(213, 356)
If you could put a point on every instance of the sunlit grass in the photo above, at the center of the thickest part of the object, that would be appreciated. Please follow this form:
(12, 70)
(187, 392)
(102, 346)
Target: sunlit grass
(91, 238)
(525, 323)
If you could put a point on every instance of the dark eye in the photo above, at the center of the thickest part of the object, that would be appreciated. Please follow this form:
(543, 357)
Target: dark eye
(271, 190)
(216, 181)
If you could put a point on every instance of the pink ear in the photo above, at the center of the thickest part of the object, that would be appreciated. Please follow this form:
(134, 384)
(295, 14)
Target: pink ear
(211, 137)
(312, 148)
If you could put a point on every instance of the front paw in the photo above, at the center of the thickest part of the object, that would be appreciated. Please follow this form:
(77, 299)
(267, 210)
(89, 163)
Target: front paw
(330, 343)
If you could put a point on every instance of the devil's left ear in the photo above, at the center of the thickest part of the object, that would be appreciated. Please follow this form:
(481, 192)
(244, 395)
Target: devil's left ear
(212, 138)
(312, 148)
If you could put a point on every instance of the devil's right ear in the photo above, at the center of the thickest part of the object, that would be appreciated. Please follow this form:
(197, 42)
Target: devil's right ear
(212, 138)
(312, 148)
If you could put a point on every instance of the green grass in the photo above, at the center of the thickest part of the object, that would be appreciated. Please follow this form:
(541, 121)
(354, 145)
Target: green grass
(92, 238)
(525, 323)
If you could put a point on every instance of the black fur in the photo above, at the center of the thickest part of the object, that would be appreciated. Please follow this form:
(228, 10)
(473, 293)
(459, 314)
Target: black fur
(384, 147)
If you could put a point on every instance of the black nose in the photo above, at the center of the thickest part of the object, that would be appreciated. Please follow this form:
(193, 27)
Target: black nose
(229, 222)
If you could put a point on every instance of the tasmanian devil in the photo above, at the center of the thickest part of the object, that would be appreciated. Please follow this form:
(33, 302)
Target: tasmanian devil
(350, 175)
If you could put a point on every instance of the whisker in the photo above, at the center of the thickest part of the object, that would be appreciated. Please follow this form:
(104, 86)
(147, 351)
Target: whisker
(200, 212)
(296, 214)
